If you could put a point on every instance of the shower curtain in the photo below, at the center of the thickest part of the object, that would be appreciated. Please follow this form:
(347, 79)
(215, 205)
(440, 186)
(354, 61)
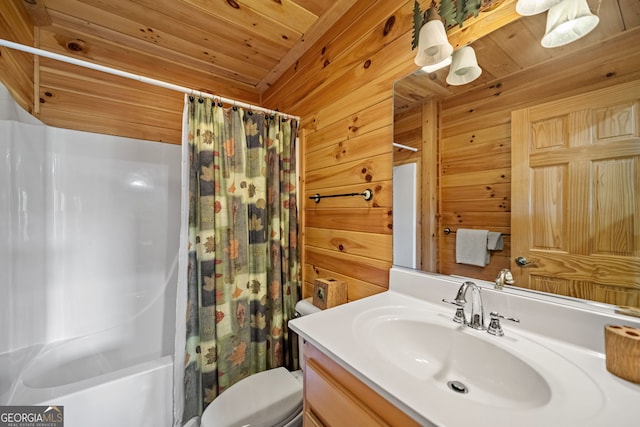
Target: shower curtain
(241, 269)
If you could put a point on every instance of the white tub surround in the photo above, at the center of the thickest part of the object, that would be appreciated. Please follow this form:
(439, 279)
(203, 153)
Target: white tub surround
(547, 370)
(88, 271)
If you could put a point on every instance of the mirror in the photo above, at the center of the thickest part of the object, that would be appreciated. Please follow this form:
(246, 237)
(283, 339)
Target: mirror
(453, 151)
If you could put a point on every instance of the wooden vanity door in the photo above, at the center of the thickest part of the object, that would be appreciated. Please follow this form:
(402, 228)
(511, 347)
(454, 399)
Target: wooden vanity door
(575, 191)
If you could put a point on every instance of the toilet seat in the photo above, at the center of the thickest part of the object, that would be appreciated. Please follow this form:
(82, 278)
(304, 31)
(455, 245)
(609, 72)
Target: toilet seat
(269, 398)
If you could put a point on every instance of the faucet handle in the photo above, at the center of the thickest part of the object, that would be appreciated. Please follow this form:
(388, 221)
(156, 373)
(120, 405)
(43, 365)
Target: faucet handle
(494, 323)
(459, 316)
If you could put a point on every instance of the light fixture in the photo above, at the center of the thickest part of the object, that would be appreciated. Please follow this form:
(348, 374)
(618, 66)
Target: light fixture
(567, 22)
(435, 67)
(433, 45)
(464, 67)
(534, 7)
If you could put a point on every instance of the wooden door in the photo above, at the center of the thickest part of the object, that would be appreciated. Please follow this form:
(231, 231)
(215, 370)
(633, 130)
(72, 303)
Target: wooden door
(575, 192)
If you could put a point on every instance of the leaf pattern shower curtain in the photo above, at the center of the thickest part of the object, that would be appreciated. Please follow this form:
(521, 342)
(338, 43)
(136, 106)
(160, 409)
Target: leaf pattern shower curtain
(243, 270)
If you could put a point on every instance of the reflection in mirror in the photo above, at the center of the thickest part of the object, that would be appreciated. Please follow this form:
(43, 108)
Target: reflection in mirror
(489, 157)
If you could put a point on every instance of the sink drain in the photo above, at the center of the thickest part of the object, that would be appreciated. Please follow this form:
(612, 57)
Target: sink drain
(458, 387)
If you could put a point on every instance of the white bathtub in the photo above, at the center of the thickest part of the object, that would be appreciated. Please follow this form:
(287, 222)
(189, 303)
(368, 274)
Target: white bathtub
(96, 390)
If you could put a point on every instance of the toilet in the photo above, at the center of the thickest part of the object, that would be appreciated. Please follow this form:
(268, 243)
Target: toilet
(270, 398)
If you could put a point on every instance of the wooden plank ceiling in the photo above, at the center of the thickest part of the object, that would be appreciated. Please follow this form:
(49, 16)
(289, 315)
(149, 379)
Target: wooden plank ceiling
(243, 44)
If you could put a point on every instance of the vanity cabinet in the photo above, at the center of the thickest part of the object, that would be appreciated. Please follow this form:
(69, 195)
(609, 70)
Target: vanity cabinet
(335, 398)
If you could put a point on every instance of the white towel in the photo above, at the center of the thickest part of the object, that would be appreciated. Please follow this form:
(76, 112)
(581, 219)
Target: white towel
(471, 247)
(495, 241)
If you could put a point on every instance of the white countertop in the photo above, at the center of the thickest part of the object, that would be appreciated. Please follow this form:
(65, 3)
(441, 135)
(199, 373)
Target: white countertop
(337, 332)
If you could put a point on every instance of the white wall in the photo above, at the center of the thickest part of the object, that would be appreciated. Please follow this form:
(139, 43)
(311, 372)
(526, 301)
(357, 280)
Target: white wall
(405, 249)
(88, 237)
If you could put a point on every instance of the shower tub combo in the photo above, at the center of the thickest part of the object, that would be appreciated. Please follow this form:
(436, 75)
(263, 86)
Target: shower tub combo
(88, 272)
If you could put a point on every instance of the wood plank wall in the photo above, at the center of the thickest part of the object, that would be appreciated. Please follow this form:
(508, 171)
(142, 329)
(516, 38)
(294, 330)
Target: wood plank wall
(475, 148)
(476, 138)
(17, 68)
(343, 89)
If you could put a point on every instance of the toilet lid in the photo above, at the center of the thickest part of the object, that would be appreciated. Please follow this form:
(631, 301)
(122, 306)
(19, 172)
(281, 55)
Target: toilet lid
(263, 399)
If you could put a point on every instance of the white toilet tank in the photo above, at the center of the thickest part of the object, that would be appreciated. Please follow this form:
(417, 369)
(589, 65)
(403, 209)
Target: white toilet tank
(303, 307)
(269, 398)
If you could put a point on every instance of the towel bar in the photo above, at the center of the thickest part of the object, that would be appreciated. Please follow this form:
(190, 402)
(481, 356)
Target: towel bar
(367, 194)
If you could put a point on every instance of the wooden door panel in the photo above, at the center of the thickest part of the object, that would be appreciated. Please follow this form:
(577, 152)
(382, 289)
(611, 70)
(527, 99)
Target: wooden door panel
(576, 207)
(616, 207)
(548, 193)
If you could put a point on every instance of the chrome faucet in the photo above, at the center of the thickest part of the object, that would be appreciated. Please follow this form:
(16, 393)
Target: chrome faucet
(476, 320)
(504, 278)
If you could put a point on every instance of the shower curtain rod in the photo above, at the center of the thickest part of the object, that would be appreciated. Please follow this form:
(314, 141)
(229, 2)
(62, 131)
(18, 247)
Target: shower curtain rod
(142, 79)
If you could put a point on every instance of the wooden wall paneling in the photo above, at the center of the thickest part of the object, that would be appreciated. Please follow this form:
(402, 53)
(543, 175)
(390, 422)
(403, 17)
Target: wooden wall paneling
(362, 268)
(403, 156)
(477, 191)
(368, 145)
(617, 59)
(356, 288)
(88, 122)
(38, 12)
(367, 91)
(17, 68)
(67, 77)
(19, 24)
(352, 39)
(631, 12)
(495, 221)
(72, 102)
(429, 181)
(17, 74)
(382, 196)
(407, 130)
(357, 172)
(366, 220)
(460, 141)
(476, 144)
(131, 104)
(367, 120)
(486, 175)
(352, 68)
(407, 126)
(368, 170)
(477, 205)
(349, 242)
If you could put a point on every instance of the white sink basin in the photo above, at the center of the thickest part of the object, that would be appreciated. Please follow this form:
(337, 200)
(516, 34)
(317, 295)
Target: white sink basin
(461, 366)
(547, 371)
